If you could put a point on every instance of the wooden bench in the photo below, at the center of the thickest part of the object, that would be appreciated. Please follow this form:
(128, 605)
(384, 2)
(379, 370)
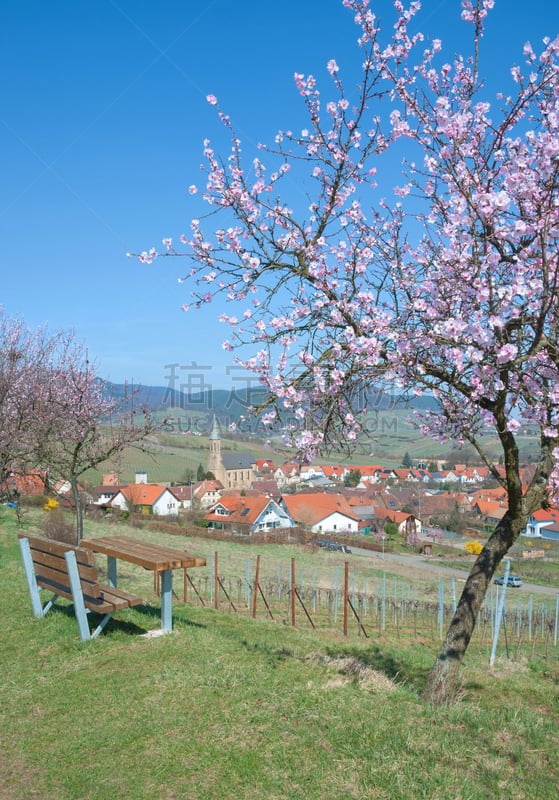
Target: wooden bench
(70, 572)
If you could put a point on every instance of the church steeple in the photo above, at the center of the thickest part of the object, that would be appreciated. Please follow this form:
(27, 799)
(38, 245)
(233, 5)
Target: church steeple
(215, 430)
(215, 464)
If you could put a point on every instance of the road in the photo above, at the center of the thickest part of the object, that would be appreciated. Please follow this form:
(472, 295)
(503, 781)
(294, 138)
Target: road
(414, 565)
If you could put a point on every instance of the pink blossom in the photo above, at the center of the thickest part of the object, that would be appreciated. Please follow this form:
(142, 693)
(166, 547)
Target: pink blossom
(513, 425)
(332, 67)
(507, 353)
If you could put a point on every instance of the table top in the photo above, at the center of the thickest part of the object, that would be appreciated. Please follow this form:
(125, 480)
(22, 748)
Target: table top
(146, 554)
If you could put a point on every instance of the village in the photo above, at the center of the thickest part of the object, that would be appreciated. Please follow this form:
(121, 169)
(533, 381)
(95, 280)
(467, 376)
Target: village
(245, 495)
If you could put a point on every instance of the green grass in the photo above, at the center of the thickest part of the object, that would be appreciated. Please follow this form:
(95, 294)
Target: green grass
(229, 707)
(544, 573)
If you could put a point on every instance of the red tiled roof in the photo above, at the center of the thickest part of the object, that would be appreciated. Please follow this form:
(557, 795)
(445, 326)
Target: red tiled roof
(264, 463)
(143, 494)
(310, 508)
(391, 514)
(203, 487)
(333, 470)
(27, 483)
(240, 509)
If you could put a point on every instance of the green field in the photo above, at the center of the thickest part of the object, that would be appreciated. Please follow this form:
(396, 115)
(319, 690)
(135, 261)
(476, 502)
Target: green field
(229, 707)
(169, 455)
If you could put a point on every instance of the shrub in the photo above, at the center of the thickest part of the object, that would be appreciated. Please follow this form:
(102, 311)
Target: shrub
(51, 504)
(56, 526)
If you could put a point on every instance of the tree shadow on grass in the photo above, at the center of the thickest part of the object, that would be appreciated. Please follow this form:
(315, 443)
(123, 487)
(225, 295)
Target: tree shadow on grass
(400, 671)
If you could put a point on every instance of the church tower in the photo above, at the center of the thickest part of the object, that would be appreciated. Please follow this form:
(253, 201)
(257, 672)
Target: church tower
(215, 462)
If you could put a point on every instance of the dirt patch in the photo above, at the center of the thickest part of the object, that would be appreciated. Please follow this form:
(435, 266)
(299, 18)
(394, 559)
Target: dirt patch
(352, 671)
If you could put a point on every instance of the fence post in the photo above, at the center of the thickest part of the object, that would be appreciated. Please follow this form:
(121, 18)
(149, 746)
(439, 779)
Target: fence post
(556, 616)
(315, 597)
(293, 592)
(383, 615)
(441, 608)
(499, 613)
(346, 588)
(216, 581)
(211, 576)
(337, 595)
(247, 582)
(255, 590)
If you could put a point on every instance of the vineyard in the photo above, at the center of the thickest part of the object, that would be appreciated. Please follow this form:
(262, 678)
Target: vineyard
(516, 625)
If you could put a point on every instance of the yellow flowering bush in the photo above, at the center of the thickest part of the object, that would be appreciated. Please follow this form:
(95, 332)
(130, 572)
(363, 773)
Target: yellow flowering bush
(473, 548)
(51, 504)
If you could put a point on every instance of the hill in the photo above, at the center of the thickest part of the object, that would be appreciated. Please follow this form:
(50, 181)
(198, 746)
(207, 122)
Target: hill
(229, 706)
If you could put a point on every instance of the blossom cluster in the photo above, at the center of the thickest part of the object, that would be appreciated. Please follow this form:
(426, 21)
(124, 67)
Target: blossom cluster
(446, 283)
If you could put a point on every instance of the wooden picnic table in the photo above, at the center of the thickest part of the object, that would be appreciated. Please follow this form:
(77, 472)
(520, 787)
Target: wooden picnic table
(158, 558)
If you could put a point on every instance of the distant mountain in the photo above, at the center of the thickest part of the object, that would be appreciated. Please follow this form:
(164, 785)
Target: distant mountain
(223, 403)
(234, 403)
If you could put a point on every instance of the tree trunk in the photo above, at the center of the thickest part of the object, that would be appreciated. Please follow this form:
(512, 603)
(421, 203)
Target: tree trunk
(444, 680)
(79, 510)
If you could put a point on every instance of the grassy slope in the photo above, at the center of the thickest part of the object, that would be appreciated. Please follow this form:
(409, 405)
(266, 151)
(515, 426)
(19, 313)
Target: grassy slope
(228, 707)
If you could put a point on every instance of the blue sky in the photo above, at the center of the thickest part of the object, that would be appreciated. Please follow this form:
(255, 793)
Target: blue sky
(102, 120)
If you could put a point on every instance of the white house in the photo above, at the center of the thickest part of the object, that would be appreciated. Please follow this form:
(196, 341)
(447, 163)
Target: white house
(252, 513)
(206, 493)
(147, 499)
(287, 474)
(543, 524)
(322, 512)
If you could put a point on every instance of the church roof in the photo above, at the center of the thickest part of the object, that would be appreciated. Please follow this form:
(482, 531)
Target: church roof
(237, 460)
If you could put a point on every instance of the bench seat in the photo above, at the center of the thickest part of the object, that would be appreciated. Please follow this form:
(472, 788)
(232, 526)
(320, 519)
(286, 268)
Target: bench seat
(70, 572)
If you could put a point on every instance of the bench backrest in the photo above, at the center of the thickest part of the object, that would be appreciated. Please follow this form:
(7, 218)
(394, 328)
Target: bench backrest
(51, 570)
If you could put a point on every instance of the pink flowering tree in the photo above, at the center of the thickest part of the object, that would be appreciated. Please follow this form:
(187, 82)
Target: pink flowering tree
(81, 424)
(442, 280)
(24, 357)
(55, 412)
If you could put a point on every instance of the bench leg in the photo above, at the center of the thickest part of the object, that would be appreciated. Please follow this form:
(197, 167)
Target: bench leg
(27, 558)
(79, 607)
(111, 571)
(167, 600)
(101, 625)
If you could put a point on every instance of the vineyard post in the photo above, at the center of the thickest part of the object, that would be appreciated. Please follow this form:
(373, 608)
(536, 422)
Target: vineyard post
(346, 587)
(216, 582)
(293, 592)
(499, 616)
(255, 589)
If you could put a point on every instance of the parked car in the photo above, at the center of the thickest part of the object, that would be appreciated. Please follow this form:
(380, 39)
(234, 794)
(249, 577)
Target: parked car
(513, 580)
(321, 542)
